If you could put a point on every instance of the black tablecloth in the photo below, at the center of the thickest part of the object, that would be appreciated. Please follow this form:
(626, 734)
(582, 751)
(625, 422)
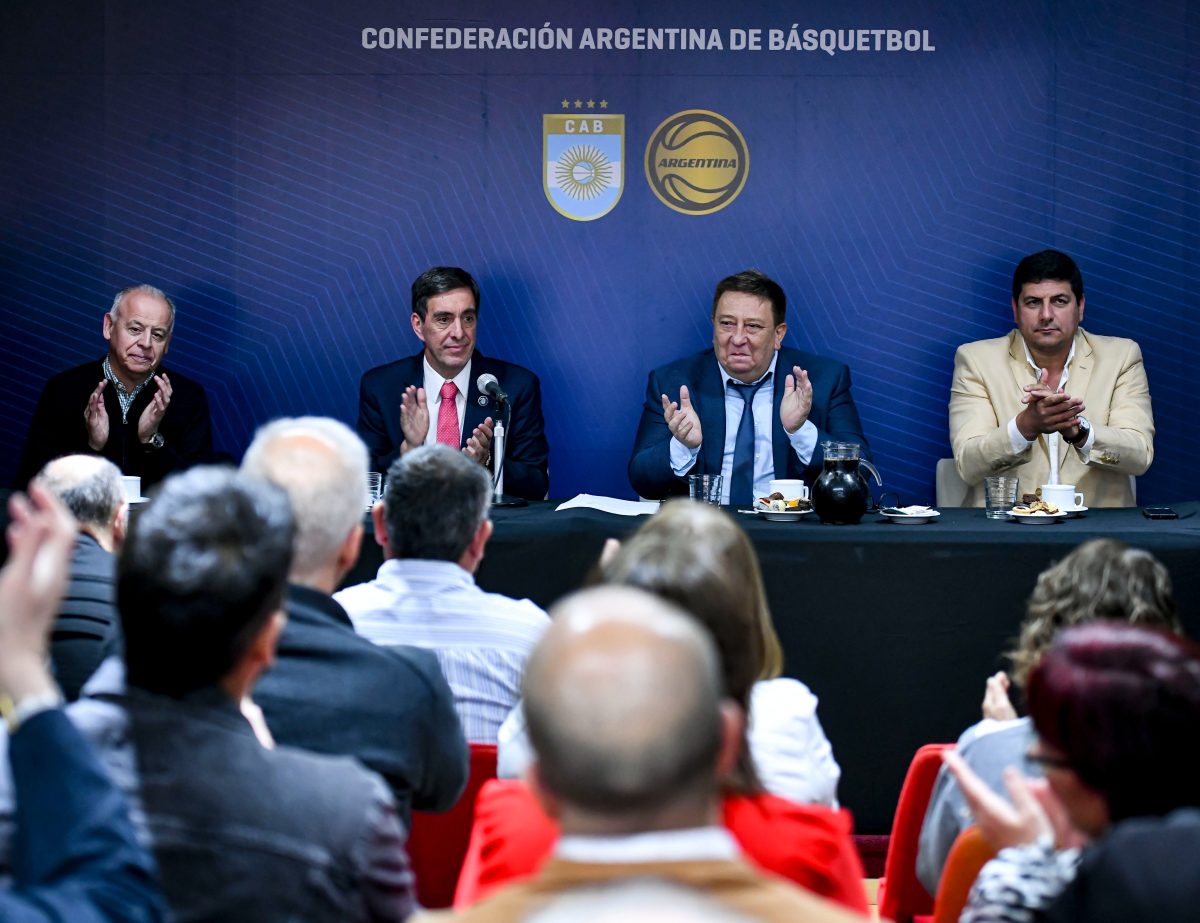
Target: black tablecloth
(894, 627)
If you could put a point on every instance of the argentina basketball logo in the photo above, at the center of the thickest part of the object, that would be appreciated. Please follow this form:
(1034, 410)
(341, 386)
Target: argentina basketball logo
(582, 165)
(697, 162)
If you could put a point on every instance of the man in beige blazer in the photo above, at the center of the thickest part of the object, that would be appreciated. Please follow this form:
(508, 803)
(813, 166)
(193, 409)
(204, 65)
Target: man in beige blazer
(1052, 393)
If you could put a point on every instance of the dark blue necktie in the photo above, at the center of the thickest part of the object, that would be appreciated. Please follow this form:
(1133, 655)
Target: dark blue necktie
(741, 484)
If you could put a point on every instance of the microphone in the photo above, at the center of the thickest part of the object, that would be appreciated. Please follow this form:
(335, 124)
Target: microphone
(488, 384)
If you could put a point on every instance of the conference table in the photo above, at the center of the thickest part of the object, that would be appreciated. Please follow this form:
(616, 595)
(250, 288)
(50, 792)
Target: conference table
(894, 627)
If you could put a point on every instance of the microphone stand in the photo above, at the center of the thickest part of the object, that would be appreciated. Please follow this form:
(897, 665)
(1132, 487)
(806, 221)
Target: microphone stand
(499, 445)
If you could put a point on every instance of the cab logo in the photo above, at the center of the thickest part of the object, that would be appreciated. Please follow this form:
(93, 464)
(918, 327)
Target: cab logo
(583, 172)
(697, 162)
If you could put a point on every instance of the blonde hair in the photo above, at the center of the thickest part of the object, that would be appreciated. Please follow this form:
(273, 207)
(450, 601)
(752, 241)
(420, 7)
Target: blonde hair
(1103, 579)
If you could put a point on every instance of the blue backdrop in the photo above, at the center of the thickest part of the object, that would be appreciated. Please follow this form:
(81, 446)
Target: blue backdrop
(285, 184)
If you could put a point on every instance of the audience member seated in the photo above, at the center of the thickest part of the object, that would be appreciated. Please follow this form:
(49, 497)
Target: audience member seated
(1100, 580)
(1146, 869)
(330, 689)
(1115, 710)
(433, 526)
(240, 830)
(698, 557)
(632, 734)
(75, 855)
(124, 407)
(87, 630)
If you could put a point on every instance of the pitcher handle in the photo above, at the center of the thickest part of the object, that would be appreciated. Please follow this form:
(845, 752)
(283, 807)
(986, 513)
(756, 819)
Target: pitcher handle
(863, 463)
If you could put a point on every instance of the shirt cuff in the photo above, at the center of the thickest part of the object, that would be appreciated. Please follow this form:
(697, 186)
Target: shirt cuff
(682, 458)
(804, 441)
(1085, 449)
(1018, 442)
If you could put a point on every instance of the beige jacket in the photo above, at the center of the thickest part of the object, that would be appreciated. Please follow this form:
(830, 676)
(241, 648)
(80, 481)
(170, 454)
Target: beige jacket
(1107, 372)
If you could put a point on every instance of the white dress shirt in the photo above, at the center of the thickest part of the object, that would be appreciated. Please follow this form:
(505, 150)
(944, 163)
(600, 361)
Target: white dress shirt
(803, 441)
(481, 640)
(1054, 441)
(433, 397)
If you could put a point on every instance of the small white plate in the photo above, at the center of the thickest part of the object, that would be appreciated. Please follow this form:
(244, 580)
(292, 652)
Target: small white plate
(1037, 519)
(1076, 513)
(782, 515)
(139, 500)
(911, 519)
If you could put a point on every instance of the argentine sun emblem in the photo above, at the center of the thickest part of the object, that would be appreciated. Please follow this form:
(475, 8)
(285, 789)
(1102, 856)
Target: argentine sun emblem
(582, 170)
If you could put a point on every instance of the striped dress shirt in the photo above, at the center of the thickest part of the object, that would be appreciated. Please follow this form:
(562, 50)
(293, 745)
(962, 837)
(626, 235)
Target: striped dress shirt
(481, 640)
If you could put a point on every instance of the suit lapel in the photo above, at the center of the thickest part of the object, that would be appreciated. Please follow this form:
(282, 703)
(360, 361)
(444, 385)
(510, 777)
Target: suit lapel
(474, 413)
(781, 448)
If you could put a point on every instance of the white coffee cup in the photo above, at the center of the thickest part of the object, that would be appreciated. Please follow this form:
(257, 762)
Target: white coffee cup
(1062, 495)
(791, 489)
(132, 486)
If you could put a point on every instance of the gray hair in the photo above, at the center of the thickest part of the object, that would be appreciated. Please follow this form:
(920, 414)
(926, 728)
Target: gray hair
(88, 485)
(142, 289)
(327, 487)
(436, 499)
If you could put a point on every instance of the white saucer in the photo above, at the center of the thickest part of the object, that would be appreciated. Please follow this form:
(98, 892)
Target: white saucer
(138, 500)
(1076, 513)
(782, 515)
(1037, 519)
(911, 519)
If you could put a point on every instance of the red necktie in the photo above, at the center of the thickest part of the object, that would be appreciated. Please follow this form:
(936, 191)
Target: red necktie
(447, 431)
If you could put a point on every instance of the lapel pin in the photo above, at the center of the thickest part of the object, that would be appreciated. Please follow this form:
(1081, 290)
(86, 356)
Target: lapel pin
(483, 401)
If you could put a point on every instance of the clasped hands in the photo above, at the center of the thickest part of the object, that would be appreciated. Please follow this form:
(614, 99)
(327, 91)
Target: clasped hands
(414, 424)
(95, 414)
(684, 422)
(1047, 411)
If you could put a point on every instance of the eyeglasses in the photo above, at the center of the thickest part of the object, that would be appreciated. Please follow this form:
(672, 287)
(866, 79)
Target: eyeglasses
(1046, 761)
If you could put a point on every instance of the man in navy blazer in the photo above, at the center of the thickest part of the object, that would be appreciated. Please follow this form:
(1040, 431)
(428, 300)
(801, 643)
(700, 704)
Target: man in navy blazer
(434, 397)
(693, 409)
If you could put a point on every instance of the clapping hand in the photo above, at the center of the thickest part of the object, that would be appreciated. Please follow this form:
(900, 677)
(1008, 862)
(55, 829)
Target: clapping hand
(797, 400)
(40, 540)
(95, 416)
(414, 417)
(151, 418)
(996, 703)
(682, 419)
(479, 445)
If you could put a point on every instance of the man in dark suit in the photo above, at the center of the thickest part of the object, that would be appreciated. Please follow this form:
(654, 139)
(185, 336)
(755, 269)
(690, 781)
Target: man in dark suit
(87, 630)
(797, 400)
(124, 407)
(434, 395)
(75, 855)
(332, 690)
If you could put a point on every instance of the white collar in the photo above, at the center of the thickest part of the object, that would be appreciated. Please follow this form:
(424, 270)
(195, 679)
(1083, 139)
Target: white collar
(690, 845)
(1066, 366)
(726, 375)
(434, 379)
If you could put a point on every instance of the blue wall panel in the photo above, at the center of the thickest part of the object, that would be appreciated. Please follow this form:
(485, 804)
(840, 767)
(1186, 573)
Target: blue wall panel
(286, 184)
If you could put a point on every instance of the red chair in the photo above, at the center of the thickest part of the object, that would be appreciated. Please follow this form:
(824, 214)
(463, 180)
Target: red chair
(901, 896)
(967, 856)
(437, 843)
(806, 844)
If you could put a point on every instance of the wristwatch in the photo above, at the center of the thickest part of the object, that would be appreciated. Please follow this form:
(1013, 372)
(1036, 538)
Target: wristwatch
(1085, 429)
(156, 441)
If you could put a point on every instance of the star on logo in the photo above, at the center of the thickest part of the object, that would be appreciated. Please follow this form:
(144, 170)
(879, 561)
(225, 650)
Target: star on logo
(579, 104)
(604, 104)
(566, 104)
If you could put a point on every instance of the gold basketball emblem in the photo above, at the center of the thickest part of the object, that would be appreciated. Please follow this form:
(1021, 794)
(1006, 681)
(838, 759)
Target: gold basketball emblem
(697, 162)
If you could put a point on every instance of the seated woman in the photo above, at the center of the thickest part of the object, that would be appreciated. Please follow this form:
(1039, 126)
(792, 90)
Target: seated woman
(1100, 580)
(1115, 711)
(679, 553)
(697, 557)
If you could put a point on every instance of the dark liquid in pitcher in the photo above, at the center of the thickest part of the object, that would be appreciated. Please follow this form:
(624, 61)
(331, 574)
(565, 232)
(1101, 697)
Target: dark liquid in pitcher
(840, 495)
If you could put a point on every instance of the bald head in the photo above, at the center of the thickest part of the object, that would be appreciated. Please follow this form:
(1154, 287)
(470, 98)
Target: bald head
(90, 487)
(623, 703)
(322, 465)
